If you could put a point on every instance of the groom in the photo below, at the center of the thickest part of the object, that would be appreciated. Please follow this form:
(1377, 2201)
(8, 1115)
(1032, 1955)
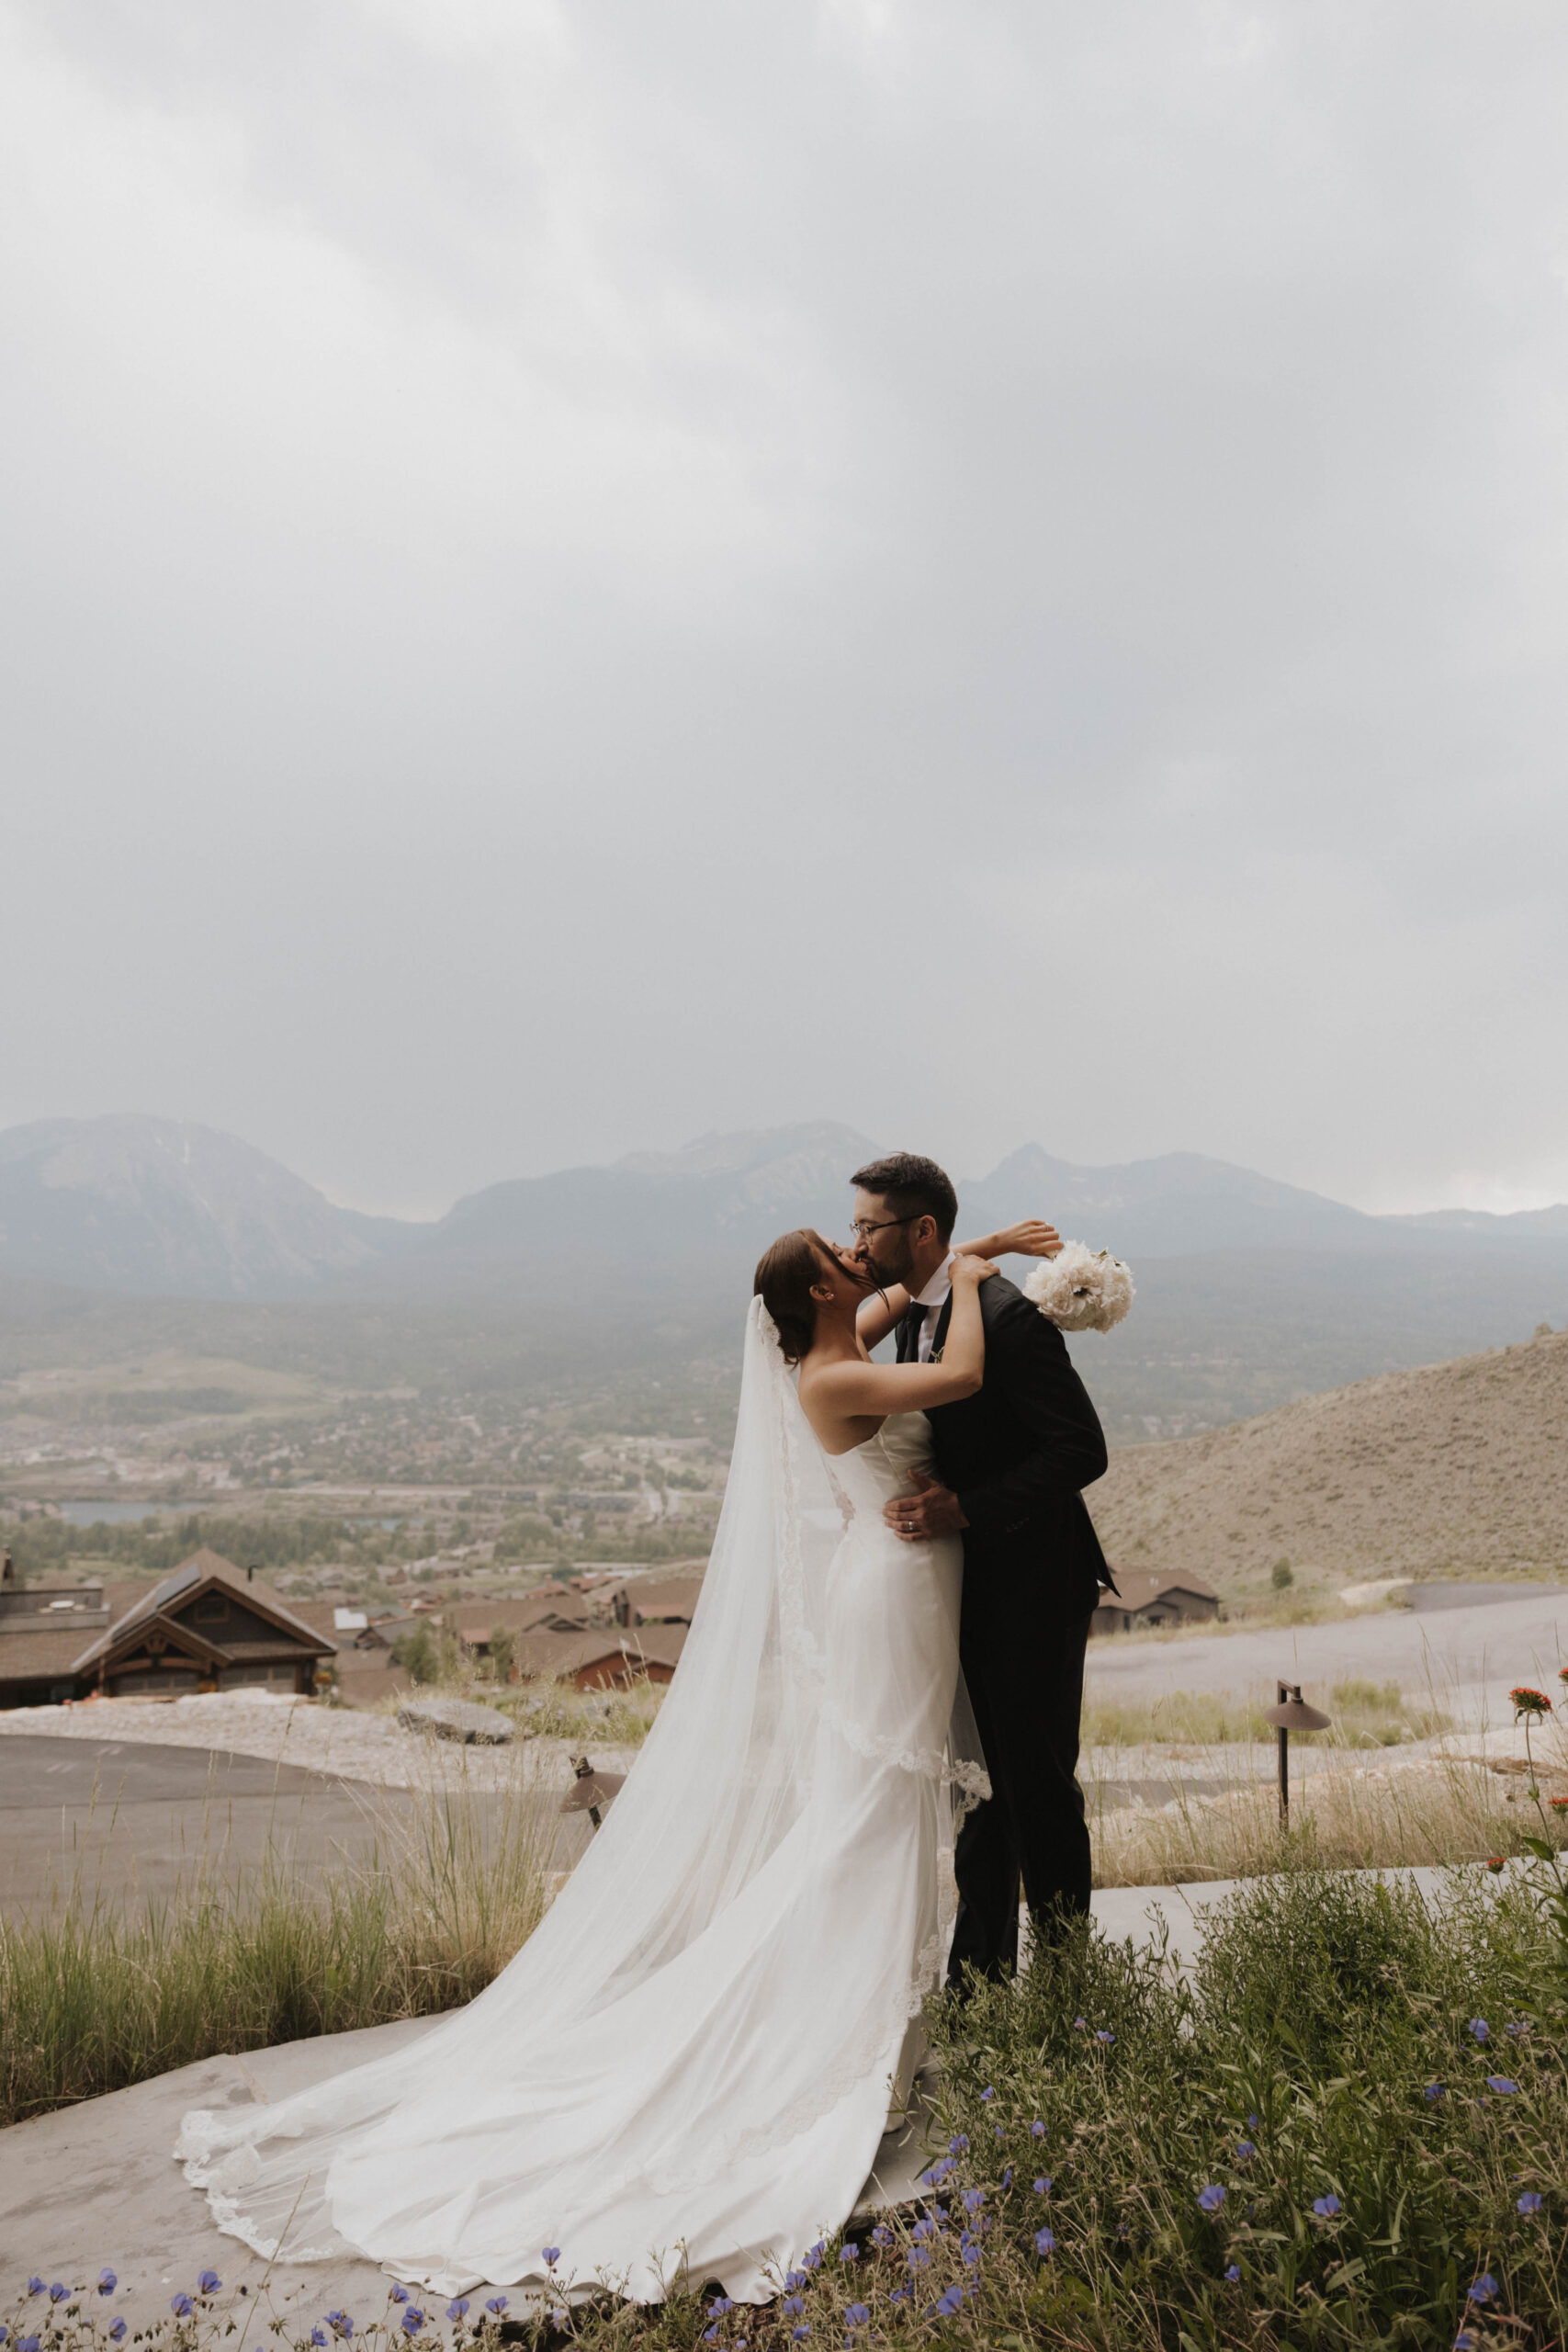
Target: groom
(1013, 1459)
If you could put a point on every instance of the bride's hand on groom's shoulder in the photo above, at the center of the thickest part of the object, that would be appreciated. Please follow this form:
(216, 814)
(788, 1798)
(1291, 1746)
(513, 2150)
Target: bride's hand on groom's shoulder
(1031, 1239)
(975, 1270)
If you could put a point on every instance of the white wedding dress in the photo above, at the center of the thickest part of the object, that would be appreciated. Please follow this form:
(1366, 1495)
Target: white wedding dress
(691, 2060)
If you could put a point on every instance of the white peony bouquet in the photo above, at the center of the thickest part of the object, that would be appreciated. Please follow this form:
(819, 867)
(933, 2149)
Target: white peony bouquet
(1081, 1290)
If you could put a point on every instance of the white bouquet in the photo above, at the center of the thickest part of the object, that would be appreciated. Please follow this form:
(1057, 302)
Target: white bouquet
(1080, 1289)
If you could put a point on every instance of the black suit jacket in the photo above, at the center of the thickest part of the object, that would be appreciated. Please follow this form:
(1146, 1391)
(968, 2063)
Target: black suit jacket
(1018, 1453)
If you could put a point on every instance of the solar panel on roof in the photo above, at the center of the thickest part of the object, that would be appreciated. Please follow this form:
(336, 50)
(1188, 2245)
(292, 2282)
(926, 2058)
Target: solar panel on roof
(171, 1584)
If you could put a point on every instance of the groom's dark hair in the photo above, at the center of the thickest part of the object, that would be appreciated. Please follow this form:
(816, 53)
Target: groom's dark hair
(912, 1187)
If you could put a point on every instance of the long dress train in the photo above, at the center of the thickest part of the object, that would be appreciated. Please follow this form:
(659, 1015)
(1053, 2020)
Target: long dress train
(691, 2059)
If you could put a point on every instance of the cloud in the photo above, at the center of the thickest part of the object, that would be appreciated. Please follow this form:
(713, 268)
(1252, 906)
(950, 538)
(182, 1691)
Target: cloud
(580, 577)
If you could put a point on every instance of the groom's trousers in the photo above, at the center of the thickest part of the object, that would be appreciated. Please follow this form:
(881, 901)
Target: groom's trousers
(1024, 1668)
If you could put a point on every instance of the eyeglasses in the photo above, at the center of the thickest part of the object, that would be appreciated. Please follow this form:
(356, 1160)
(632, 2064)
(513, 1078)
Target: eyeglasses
(863, 1227)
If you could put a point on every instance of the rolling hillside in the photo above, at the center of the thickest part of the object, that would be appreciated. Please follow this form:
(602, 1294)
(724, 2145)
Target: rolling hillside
(1457, 1469)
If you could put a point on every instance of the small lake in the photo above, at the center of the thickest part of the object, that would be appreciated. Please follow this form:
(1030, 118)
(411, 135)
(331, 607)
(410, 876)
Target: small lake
(107, 1514)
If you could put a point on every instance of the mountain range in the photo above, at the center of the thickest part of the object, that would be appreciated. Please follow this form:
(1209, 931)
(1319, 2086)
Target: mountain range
(1250, 1292)
(169, 1208)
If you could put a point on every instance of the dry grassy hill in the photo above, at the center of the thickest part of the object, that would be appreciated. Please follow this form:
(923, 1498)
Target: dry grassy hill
(1454, 1470)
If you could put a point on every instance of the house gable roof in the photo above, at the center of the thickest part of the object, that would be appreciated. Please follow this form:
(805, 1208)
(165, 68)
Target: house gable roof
(169, 1600)
(1140, 1588)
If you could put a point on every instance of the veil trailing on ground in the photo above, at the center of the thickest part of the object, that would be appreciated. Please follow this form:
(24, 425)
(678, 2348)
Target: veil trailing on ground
(650, 2033)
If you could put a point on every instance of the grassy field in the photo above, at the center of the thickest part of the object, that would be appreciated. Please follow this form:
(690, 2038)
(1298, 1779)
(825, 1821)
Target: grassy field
(1366, 1714)
(166, 1384)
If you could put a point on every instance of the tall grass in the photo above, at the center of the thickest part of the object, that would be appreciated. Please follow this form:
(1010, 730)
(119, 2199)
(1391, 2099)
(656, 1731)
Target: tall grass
(1347, 1816)
(1365, 1715)
(97, 1994)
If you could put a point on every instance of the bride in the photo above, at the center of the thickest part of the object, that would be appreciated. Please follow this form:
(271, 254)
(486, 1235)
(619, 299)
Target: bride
(690, 2064)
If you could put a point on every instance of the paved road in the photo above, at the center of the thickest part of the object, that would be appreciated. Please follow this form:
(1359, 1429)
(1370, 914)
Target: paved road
(123, 1817)
(1469, 1657)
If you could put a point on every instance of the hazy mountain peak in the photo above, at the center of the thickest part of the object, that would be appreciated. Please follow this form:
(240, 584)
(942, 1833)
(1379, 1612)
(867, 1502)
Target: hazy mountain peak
(143, 1203)
(823, 1141)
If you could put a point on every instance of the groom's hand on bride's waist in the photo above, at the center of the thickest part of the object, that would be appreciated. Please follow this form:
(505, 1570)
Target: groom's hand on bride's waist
(933, 1512)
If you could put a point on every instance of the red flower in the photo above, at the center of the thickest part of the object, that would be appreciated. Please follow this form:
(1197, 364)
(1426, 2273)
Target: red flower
(1530, 1702)
(1495, 1863)
(1558, 1804)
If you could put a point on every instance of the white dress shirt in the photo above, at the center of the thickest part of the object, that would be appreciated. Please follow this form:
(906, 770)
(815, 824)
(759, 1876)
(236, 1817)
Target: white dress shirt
(933, 1298)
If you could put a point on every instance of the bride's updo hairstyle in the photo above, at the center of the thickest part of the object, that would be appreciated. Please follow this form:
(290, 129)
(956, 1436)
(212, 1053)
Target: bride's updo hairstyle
(785, 1271)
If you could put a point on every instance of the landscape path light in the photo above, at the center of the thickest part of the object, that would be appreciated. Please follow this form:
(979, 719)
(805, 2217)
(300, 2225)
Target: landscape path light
(1292, 1713)
(590, 1792)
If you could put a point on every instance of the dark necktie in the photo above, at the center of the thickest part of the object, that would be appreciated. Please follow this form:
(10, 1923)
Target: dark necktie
(914, 1323)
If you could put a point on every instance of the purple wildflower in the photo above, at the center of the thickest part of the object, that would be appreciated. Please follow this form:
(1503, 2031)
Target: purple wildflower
(58, 2292)
(497, 2304)
(1530, 2202)
(1325, 2208)
(1045, 2242)
(1042, 2186)
(1501, 2084)
(1233, 2273)
(209, 2282)
(1244, 2151)
(457, 2308)
(413, 2320)
(399, 2294)
(182, 2306)
(1103, 2036)
(857, 2315)
(1479, 2028)
(1212, 2196)
(987, 2093)
(1484, 2289)
(117, 2331)
(1037, 2129)
(107, 2282)
(1434, 2090)
(551, 2256)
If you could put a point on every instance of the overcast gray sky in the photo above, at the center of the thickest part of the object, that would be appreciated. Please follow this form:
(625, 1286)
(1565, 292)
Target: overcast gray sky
(574, 575)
